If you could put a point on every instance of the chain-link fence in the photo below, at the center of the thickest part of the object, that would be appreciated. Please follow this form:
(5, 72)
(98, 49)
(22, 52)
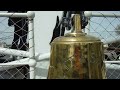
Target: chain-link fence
(106, 26)
(14, 44)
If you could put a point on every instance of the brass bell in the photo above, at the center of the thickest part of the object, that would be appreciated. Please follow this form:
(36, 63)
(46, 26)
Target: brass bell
(77, 55)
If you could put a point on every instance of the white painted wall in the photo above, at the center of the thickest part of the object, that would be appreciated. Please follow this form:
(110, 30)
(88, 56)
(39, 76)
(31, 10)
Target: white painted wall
(44, 24)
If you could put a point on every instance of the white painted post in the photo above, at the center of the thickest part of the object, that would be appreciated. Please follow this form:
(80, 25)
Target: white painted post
(88, 15)
(87, 29)
(32, 61)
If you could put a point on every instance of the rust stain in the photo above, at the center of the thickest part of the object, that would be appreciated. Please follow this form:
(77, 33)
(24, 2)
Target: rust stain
(77, 65)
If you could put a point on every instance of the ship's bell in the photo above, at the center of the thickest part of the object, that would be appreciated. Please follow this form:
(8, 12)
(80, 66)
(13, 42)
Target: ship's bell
(77, 55)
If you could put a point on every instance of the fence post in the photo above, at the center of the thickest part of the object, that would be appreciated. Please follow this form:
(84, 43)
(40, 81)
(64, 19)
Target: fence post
(88, 15)
(87, 29)
(32, 61)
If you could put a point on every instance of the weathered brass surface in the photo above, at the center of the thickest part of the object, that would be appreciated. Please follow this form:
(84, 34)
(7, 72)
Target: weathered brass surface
(77, 56)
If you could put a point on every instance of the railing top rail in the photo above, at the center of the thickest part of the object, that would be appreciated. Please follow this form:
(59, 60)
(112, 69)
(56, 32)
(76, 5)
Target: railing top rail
(90, 14)
(29, 14)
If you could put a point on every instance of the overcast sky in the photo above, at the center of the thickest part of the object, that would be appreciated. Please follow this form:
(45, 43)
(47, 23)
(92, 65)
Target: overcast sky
(105, 27)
